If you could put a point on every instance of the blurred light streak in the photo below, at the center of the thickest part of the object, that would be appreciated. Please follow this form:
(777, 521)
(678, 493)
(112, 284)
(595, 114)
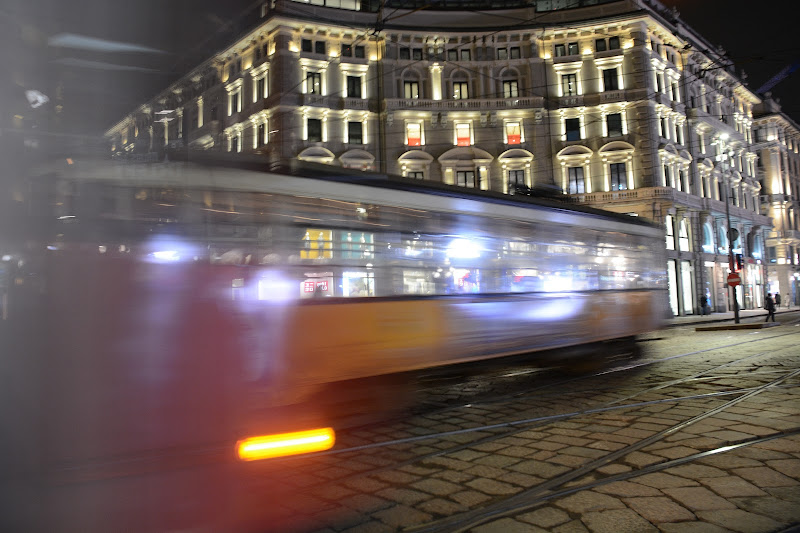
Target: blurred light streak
(82, 42)
(285, 444)
(100, 65)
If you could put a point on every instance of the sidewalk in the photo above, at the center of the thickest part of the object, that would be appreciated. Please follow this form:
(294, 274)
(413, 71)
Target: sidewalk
(745, 316)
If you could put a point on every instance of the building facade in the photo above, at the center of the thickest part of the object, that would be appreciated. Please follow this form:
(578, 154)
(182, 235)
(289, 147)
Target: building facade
(777, 144)
(615, 102)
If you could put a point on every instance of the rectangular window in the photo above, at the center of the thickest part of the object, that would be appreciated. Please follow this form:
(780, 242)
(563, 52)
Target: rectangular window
(415, 174)
(235, 103)
(411, 89)
(513, 133)
(261, 88)
(664, 131)
(414, 134)
(354, 133)
(600, 45)
(610, 80)
(405, 53)
(614, 123)
(460, 90)
(613, 43)
(319, 47)
(670, 233)
(465, 178)
(360, 52)
(560, 50)
(502, 53)
(305, 45)
(572, 49)
(516, 177)
(463, 137)
(514, 52)
(314, 126)
(668, 177)
(465, 55)
(313, 83)
(347, 50)
(452, 55)
(353, 87)
(261, 134)
(510, 89)
(618, 176)
(356, 245)
(416, 54)
(569, 84)
(576, 181)
(572, 127)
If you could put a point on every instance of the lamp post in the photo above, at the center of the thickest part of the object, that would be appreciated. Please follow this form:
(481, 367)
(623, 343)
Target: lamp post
(732, 234)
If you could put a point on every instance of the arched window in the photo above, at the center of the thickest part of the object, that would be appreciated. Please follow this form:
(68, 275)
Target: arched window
(460, 86)
(708, 238)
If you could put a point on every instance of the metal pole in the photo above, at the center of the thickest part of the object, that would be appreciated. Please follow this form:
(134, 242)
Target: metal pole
(725, 169)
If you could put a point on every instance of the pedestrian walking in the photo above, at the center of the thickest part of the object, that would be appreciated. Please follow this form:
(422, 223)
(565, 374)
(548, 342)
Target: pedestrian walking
(703, 304)
(777, 300)
(769, 305)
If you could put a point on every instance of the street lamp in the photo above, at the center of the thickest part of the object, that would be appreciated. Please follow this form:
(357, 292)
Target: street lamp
(732, 233)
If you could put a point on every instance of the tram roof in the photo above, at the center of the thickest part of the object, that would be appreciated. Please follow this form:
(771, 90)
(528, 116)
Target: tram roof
(176, 163)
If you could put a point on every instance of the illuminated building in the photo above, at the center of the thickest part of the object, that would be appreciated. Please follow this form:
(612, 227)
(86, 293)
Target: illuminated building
(615, 102)
(777, 143)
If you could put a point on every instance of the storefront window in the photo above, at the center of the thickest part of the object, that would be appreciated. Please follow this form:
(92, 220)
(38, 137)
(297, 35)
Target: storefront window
(317, 244)
(357, 245)
(672, 275)
(358, 284)
(686, 285)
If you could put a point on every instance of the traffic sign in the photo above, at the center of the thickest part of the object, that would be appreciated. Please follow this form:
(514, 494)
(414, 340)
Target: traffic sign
(734, 279)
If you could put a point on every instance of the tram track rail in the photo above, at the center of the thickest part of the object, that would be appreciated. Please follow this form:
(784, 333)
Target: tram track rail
(525, 499)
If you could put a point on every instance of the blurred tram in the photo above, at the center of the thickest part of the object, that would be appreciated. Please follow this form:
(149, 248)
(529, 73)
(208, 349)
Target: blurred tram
(179, 312)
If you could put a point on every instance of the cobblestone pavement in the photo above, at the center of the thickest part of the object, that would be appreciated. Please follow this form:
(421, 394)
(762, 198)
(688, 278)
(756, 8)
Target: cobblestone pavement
(708, 442)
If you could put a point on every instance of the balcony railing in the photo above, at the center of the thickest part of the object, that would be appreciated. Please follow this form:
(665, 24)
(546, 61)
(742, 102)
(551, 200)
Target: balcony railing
(355, 103)
(669, 194)
(478, 104)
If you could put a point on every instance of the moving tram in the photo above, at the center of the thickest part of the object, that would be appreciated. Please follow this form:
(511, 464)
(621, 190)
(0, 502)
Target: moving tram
(173, 314)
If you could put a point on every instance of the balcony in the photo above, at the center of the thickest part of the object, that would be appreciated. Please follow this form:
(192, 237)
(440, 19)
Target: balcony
(317, 100)
(663, 194)
(570, 101)
(361, 104)
(477, 104)
(787, 235)
(608, 97)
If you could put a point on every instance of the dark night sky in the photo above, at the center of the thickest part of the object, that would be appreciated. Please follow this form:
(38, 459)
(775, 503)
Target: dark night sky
(189, 31)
